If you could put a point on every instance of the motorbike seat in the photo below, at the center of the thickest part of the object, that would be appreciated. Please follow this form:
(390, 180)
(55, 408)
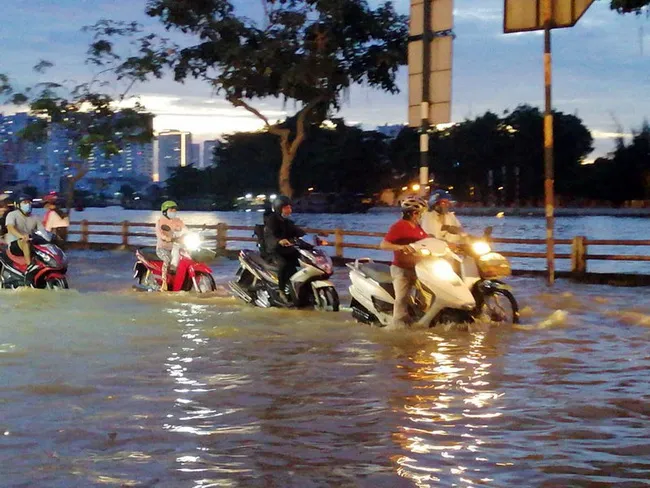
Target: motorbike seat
(259, 260)
(149, 253)
(17, 260)
(380, 273)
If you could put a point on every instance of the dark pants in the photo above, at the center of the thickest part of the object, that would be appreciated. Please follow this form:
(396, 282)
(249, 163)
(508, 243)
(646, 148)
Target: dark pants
(15, 248)
(287, 261)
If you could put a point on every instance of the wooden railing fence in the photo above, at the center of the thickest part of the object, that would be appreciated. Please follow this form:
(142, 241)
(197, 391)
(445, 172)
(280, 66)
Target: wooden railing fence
(122, 234)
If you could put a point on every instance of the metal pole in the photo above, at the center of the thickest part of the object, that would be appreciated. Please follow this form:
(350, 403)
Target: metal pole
(548, 145)
(426, 71)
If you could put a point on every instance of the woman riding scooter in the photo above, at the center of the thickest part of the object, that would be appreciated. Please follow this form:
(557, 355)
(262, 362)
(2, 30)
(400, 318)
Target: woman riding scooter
(165, 249)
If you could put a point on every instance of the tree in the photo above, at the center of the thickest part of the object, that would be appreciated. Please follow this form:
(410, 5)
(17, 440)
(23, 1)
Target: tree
(305, 52)
(629, 6)
(89, 119)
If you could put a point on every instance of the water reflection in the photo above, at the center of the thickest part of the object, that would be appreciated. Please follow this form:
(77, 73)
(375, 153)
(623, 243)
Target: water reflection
(453, 402)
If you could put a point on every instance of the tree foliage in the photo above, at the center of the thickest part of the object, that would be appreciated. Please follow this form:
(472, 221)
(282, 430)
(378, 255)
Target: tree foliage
(629, 6)
(305, 52)
(90, 119)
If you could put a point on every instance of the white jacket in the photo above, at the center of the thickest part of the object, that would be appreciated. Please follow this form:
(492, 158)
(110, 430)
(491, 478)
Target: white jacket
(433, 221)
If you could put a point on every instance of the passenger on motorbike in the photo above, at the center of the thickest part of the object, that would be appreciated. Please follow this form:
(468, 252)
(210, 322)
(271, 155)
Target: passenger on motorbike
(405, 231)
(440, 222)
(20, 225)
(278, 232)
(4, 209)
(165, 249)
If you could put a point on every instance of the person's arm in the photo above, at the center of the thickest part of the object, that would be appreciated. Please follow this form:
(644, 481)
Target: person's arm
(160, 233)
(11, 227)
(389, 246)
(294, 230)
(452, 225)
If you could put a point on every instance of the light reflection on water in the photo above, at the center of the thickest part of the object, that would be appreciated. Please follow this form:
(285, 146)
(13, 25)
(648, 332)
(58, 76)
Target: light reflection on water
(112, 388)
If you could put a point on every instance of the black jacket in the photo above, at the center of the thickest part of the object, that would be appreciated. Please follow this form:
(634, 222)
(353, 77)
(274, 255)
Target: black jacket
(277, 228)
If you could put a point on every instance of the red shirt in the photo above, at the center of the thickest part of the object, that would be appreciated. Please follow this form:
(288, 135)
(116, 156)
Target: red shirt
(404, 232)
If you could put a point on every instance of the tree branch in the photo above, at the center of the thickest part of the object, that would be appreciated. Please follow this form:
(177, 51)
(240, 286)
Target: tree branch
(300, 122)
(273, 129)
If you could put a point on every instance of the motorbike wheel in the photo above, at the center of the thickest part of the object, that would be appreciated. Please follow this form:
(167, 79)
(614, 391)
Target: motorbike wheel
(500, 306)
(147, 279)
(56, 284)
(327, 300)
(205, 283)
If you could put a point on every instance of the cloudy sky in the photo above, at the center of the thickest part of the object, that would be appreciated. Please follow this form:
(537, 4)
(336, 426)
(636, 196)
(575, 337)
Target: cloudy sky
(601, 67)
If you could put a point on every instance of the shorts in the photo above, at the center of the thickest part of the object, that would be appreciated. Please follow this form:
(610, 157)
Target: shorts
(15, 249)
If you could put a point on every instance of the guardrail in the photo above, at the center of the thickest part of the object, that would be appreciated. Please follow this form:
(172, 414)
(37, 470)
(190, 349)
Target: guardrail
(580, 248)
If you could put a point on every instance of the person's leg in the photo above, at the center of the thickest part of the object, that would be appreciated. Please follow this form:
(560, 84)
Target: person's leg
(26, 249)
(287, 259)
(403, 281)
(166, 256)
(175, 256)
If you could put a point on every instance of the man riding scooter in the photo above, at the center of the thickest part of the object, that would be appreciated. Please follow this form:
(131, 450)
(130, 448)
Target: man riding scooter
(440, 222)
(278, 232)
(20, 225)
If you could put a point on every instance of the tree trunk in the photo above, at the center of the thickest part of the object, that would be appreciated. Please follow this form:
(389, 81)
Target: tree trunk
(284, 176)
(82, 169)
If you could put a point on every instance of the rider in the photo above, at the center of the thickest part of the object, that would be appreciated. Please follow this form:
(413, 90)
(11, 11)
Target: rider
(4, 210)
(278, 230)
(439, 221)
(402, 233)
(165, 249)
(20, 225)
(55, 220)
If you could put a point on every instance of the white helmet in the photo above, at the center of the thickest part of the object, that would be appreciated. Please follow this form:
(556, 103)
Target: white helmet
(413, 204)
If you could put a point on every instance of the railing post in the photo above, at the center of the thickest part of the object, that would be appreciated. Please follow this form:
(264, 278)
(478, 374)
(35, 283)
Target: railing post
(125, 234)
(83, 228)
(338, 243)
(579, 255)
(222, 237)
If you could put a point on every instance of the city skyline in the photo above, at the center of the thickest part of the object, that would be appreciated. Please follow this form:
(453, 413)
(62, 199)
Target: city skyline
(600, 70)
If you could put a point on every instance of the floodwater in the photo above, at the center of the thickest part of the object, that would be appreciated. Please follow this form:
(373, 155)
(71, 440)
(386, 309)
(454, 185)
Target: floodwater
(103, 386)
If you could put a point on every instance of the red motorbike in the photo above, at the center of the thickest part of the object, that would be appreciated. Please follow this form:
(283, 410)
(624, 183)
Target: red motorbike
(49, 272)
(189, 275)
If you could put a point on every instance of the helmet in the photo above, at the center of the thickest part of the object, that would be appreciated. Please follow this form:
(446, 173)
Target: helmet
(23, 198)
(279, 202)
(439, 196)
(413, 204)
(167, 205)
(51, 199)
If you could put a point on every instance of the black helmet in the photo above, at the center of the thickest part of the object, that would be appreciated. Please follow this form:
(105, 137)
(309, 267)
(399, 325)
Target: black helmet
(23, 198)
(279, 202)
(439, 196)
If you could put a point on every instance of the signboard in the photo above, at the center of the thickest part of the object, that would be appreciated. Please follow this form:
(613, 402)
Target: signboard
(436, 61)
(528, 15)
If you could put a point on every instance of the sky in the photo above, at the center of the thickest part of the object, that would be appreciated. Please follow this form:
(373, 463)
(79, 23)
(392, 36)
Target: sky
(600, 68)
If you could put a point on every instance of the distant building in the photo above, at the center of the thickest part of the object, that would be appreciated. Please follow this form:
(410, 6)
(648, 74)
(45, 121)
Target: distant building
(195, 158)
(174, 150)
(208, 152)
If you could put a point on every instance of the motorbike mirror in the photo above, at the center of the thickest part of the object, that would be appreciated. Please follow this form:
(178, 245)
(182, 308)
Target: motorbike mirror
(317, 241)
(166, 228)
(487, 233)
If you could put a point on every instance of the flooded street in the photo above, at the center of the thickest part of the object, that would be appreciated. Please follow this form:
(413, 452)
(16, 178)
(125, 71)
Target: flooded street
(104, 386)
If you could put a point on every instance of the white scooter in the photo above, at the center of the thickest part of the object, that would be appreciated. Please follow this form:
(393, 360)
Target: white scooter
(449, 288)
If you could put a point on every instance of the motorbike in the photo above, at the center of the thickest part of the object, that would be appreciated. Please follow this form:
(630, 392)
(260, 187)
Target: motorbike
(51, 265)
(459, 287)
(256, 280)
(189, 275)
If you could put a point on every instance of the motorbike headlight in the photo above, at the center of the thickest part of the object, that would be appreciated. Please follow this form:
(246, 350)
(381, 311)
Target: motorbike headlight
(425, 252)
(480, 248)
(47, 259)
(443, 270)
(192, 242)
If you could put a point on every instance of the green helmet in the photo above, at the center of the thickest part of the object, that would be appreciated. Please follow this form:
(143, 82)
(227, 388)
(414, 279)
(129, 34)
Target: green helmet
(167, 205)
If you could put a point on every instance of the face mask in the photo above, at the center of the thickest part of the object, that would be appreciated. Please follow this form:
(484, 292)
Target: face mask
(171, 214)
(26, 207)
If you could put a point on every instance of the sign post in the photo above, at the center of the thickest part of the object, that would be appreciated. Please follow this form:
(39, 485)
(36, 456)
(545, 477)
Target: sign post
(531, 15)
(429, 60)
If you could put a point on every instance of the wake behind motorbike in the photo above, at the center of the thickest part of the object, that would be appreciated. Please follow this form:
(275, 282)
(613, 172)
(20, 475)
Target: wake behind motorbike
(189, 275)
(51, 265)
(256, 280)
(449, 288)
